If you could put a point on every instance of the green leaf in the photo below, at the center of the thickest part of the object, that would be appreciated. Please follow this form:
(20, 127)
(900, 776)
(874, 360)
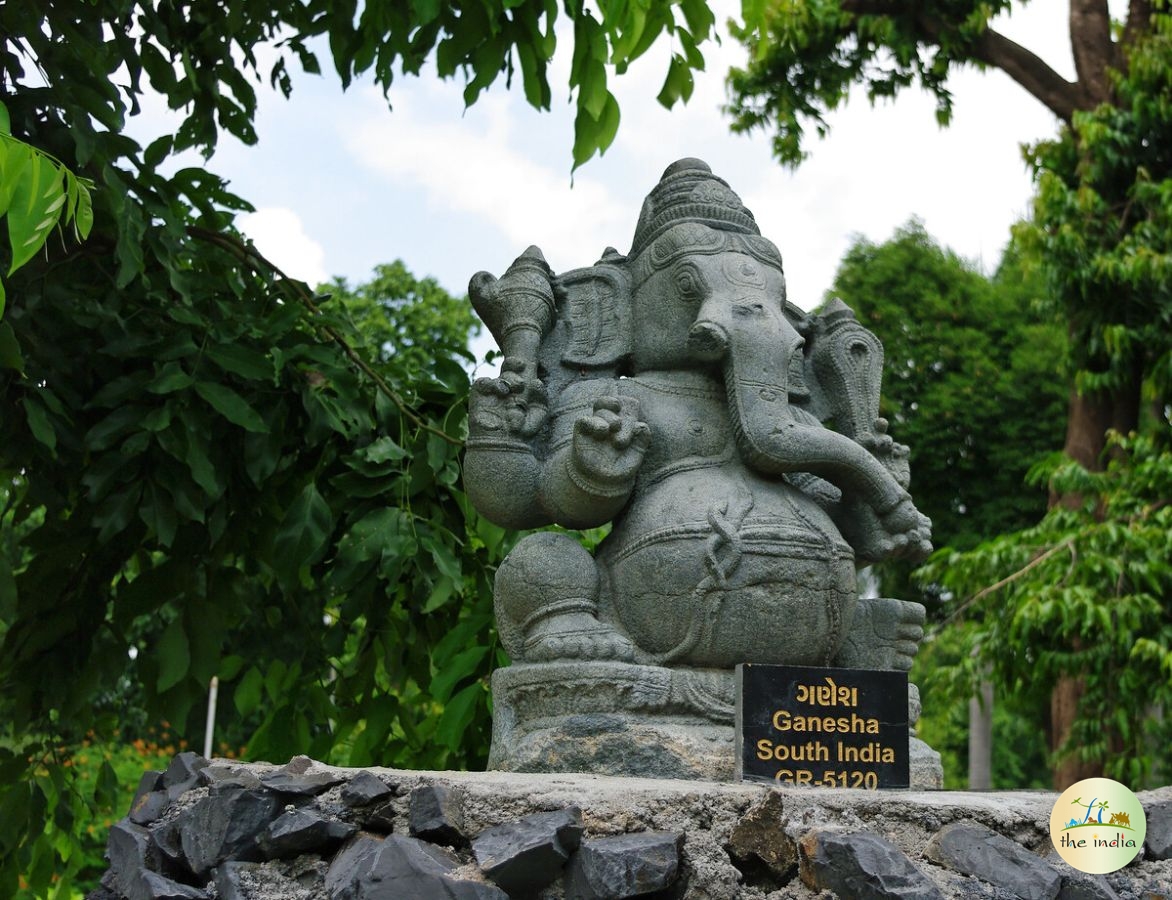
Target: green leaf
(38, 422)
(10, 355)
(5, 121)
(457, 716)
(384, 450)
(35, 208)
(247, 695)
(173, 656)
(171, 378)
(107, 790)
(231, 406)
(455, 670)
(158, 514)
(241, 360)
(303, 533)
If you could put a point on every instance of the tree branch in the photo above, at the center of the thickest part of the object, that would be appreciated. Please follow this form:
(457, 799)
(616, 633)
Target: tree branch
(1007, 580)
(1029, 70)
(1139, 20)
(1092, 47)
(250, 257)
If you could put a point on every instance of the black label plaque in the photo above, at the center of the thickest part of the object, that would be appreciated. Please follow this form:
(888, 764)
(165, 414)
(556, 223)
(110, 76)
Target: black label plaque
(822, 727)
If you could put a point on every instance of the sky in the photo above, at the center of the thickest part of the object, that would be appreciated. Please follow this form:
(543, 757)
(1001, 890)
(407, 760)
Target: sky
(342, 184)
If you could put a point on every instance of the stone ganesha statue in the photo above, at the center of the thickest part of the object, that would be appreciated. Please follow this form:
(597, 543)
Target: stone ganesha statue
(735, 444)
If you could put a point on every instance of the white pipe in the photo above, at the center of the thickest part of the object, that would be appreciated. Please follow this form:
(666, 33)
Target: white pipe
(213, 692)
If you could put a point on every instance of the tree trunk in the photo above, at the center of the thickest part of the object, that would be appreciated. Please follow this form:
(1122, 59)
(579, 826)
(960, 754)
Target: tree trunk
(981, 738)
(1091, 416)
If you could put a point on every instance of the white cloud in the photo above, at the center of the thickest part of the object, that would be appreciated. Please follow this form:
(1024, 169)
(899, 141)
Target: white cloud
(280, 237)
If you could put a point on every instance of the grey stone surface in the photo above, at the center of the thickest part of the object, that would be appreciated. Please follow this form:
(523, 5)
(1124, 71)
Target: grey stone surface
(308, 784)
(708, 813)
(758, 841)
(435, 813)
(1158, 842)
(225, 826)
(365, 788)
(626, 865)
(300, 831)
(129, 851)
(147, 808)
(372, 868)
(974, 849)
(183, 773)
(863, 867)
(528, 854)
(676, 393)
(1081, 886)
(159, 887)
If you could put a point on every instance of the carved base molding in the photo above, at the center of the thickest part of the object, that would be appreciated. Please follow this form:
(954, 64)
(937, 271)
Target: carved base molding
(613, 718)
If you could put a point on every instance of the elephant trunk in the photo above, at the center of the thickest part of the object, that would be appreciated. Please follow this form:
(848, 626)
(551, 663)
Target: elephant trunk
(754, 343)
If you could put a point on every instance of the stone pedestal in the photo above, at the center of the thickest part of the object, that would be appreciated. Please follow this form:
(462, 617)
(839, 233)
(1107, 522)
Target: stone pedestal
(633, 720)
(304, 831)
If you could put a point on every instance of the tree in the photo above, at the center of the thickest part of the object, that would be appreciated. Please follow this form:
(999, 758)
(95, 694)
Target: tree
(1084, 593)
(1100, 226)
(406, 319)
(204, 461)
(968, 381)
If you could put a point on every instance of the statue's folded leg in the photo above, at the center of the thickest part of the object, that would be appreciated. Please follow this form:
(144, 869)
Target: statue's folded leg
(547, 603)
(883, 634)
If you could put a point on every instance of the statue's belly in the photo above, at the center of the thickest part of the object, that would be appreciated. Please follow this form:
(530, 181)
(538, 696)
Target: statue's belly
(713, 567)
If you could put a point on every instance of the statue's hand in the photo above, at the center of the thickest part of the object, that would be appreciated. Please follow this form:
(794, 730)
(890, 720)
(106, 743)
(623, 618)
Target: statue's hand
(908, 530)
(609, 444)
(903, 532)
(893, 456)
(510, 406)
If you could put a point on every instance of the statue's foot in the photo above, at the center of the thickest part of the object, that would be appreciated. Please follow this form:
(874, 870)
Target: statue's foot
(575, 635)
(884, 634)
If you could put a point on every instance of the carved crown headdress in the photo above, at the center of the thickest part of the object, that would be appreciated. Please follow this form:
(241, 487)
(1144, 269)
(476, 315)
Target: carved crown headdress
(689, 192)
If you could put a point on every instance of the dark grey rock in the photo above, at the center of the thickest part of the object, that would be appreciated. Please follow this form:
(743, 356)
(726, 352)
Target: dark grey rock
(1159, 840)
(298, 765)
(225, 825)
(183, 773)
(628, 865)
(223, 778)
(371, 868)
(972, 849)
(436, 814)
(230, 880)
(862, 866)
(526, 855)
(1081, 886)
(301, 785)
(758, 841)
(147, 808)
(147, 784)
(303, 831)
(168, 847)
(130, 852)
(364, 789)
(380, 818)
(158, 887)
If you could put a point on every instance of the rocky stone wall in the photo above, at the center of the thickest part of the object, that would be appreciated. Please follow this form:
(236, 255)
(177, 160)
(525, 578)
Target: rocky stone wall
(206, 830)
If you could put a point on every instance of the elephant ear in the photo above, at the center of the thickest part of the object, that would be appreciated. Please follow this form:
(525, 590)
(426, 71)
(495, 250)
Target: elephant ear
(594, 309)
(847, 363)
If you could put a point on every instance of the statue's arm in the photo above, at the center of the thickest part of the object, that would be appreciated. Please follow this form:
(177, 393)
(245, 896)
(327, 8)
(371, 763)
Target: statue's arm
(598, 448)
(502, 474)
(595, 446)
